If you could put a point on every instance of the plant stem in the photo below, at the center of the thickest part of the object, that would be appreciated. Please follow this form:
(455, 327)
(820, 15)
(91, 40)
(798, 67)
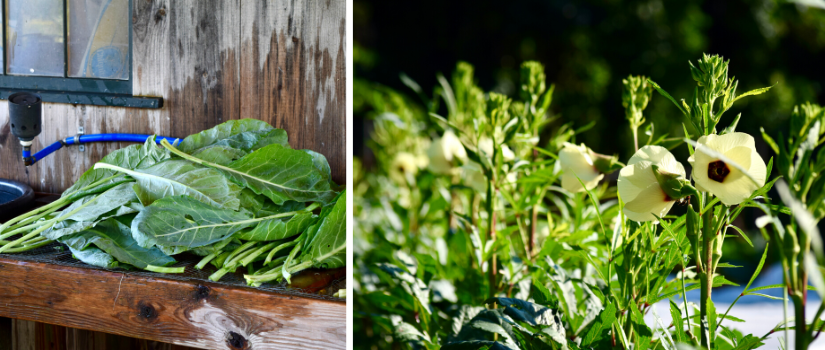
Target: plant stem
(256, 253)
(218, 274)
(23, 229)
(801, 336)
(706, 276)
(237, 251)
(32, 216)
(277, 249)
(164, 269)
(491, 237)
(51, 207)
(206, 260)
(535, 214)
(46, 225)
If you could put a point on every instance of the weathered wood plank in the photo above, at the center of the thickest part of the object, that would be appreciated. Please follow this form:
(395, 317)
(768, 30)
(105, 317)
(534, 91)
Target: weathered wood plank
(81, 339)
(23, 335)
(213, 60)
(292, 71)
(208, 315)
(204, 76)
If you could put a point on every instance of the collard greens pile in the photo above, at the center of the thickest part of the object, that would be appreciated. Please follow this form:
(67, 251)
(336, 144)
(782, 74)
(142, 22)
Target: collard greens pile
(236, 194)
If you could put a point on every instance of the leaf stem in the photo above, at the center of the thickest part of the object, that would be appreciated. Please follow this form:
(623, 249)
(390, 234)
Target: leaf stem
(164, 269)
(277, 249)
(206, 260)
(46, 225)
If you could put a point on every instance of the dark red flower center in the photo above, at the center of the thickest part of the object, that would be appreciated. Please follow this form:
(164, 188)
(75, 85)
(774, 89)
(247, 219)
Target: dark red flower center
(718, 170)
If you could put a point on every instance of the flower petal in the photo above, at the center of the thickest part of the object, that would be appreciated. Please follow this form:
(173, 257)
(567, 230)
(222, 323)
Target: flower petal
(651, 153)
(723, 143)
(635, 178)
(650, 201)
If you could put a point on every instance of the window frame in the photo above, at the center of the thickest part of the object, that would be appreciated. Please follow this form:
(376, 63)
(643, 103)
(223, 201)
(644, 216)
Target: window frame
(65, 89)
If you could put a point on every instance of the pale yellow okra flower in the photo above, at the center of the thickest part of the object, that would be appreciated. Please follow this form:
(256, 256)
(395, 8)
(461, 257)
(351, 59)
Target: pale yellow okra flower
(576, 161)
(639, 188)
(727, 181)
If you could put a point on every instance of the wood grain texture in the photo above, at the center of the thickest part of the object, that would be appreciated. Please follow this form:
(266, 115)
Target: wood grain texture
(23, 335)
(281, 61)
(293, 72)
(208, 316)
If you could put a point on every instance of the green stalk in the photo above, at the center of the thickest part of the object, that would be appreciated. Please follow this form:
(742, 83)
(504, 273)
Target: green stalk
(51, 207)
(32, 216)
(23, 229)
(29, 246)
(164, 269)
(706, 276)
(46, 225)
(218, 274)
(277, 249)
(270, 275)
(252, 256)
(206, 260)
(237, 251)
(491, 236)
(237, 259)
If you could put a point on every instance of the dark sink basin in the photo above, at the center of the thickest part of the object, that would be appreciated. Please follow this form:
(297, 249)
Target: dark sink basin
(15, 198)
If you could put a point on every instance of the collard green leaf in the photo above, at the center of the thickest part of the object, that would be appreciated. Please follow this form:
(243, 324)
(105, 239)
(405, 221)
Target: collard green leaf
(131, 157)
(112, 199)
(327, 249)
(252, 140)
(229, 130)
(184, 221)
(116, 239)
(278, 228)
(277, 172)
(219, 154)
(181, 177)
(268, 208)
(94, 256)
(116, 201)
(320, 163)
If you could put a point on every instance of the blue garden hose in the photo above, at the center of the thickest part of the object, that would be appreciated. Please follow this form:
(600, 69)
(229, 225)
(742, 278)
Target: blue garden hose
(31, 159)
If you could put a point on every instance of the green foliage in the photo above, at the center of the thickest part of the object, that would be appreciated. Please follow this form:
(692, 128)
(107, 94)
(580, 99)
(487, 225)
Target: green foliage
(493, 253)
(235, 194)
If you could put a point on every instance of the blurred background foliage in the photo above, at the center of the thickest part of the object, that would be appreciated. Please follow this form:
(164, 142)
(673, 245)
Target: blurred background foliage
(588, 47)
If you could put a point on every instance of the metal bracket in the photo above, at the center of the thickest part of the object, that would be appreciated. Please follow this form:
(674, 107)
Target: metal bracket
(80, 131)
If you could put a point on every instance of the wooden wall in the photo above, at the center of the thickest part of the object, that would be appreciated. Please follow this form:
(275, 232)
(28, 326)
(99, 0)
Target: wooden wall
(281, 61)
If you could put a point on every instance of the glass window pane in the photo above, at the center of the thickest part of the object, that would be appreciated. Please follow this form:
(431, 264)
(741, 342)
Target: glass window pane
(99, 39)
(35, 37)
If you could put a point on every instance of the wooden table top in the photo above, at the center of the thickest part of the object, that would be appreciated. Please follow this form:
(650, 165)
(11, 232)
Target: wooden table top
(51, 287)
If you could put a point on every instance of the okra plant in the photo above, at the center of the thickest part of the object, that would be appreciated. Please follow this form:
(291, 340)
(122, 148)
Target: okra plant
(484, 224)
